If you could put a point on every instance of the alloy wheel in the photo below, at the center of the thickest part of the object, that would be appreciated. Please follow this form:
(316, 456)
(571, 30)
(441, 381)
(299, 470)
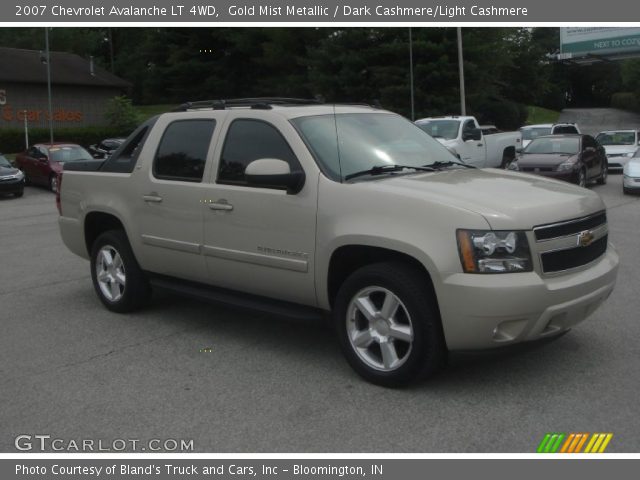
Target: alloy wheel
(379, 328)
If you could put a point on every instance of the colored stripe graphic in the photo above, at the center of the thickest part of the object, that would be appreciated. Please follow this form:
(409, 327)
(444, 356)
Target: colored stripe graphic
(574, 442)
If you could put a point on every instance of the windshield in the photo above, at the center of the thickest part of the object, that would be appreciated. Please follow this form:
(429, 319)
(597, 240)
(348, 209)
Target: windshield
(4, 162)
(68, 154)
(560, 145)
(367, 140)
(617, 138)
(531, 133)
(447, 129)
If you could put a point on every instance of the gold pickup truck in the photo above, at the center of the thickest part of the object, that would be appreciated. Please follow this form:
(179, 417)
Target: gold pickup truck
(303, 209)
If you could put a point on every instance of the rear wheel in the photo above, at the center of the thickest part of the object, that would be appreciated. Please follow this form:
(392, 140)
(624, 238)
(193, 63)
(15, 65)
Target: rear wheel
(117, 278)
(389, 328)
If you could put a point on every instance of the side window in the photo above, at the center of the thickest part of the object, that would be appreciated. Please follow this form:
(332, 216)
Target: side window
(33, 152)
(249, 140)
(182, 152)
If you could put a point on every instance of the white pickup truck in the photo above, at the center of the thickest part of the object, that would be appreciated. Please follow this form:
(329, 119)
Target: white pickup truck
(305, 209)
(463, 137)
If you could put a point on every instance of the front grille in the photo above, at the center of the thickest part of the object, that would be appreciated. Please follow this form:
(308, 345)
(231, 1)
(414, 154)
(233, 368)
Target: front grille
(537, 169)
(573, 257)
(570, 227)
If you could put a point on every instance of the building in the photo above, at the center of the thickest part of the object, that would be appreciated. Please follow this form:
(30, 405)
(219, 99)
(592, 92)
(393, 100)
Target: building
(79, 89)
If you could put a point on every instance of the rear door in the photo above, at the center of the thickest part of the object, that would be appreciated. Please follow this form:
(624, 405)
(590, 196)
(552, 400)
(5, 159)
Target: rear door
(169, 195)
(261, 240)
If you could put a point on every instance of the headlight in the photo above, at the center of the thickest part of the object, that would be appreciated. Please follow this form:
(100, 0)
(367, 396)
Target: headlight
(513, 166)
(629, 154)
(564, 166)
(488, 251)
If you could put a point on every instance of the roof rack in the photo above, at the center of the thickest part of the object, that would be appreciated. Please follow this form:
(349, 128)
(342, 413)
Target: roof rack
(258, 103)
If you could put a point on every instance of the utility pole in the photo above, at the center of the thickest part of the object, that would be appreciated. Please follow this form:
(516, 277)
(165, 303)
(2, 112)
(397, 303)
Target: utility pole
(463, 106)
(48, 60)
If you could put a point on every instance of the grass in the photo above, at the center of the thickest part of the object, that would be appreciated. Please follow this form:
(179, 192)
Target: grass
(541, 115)
(148, 111)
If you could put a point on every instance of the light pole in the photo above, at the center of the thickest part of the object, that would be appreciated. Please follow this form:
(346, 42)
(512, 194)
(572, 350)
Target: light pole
(463, 106)
(48, 60)
(413, 114)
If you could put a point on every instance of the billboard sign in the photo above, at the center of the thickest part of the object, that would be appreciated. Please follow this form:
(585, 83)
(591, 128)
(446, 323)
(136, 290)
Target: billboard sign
(578, 42)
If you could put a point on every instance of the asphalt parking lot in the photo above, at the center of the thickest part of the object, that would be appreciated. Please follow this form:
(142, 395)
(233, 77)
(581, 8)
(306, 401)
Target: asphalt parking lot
(241, 382)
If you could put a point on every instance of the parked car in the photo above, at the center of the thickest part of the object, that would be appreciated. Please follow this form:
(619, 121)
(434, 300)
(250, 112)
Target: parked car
(620, 146)
(106, 147)
(530, 132)
(302, 210)
(574, 158)
(631, 174)
(465, 139)
(11, 178)
(42, 163)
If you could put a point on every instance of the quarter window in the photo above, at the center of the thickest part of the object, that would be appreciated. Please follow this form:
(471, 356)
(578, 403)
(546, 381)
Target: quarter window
(182, 153)
(248, 140)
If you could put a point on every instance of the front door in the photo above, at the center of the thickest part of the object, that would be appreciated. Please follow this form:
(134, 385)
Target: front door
(260, 240)
(471, 151)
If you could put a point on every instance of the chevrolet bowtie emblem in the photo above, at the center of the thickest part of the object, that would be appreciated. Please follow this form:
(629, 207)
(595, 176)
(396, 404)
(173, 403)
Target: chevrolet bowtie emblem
(585, 238)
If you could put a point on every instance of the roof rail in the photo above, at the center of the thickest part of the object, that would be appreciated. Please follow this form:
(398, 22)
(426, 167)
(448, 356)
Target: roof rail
(258, 103)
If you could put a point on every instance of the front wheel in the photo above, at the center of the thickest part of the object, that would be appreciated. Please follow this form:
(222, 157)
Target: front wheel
(582, 178)
(53, 183)
(602, 179)
(389, 328)
(117, 278)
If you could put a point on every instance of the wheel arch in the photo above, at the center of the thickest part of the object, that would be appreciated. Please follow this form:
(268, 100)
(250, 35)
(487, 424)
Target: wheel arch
(347, 258)
(97, 222)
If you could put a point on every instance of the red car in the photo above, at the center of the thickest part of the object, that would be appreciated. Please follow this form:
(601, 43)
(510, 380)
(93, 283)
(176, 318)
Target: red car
(42, 163)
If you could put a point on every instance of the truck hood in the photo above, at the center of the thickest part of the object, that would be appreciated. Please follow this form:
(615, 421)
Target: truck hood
(507, 200)
(620, 149)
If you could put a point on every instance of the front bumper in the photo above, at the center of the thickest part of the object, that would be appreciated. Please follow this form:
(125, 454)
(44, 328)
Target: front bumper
(485, 311)
(617, 162)
(631, 182)
(11, 186)
(570, 176)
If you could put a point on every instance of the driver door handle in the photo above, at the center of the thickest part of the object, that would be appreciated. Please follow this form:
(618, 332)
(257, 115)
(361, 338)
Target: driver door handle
(221, 205)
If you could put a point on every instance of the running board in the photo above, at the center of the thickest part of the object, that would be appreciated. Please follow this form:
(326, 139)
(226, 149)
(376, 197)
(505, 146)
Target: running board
(244, 301)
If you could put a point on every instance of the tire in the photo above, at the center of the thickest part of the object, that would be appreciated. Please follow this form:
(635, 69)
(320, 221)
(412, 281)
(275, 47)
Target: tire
(506, 161)
(602, 179)
(581, 181)
(626, 191)
(19, 194)
(117, 278)
(389, 349)
(53, 183)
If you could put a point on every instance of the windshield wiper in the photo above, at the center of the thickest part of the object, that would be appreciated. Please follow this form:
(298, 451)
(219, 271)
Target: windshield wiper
(448, 163)
(380, 169)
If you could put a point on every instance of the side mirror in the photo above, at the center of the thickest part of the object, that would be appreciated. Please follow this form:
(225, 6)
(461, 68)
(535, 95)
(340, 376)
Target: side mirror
(518, 150)
(472, 134)
(274, 173)
(590, 150)
(43, 159)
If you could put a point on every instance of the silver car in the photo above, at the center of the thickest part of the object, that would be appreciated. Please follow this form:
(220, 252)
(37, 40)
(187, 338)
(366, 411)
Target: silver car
(620, 145)
(631, 174)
